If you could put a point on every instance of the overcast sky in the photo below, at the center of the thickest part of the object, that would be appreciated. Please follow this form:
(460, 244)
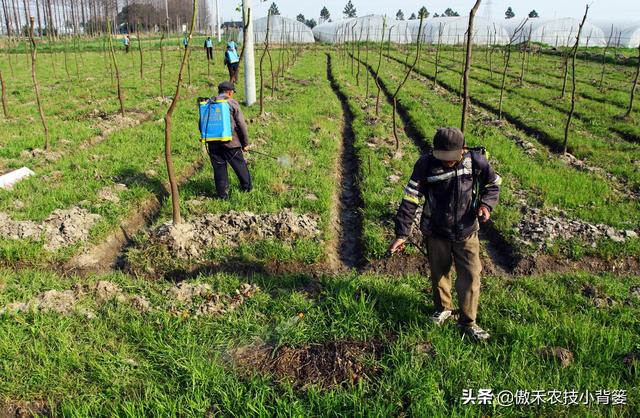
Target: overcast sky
(545, 8)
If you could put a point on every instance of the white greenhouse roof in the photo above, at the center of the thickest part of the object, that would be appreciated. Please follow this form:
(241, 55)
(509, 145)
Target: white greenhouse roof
(281, 30)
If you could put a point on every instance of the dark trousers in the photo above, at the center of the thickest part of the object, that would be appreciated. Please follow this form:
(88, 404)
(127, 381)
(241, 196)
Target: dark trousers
(209, 53)
(233, 72)
(220, 155)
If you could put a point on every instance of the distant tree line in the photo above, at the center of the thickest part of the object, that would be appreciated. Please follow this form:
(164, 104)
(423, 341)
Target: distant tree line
(75, 17)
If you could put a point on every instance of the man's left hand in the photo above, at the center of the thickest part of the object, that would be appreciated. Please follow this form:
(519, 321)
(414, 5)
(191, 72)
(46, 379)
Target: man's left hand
(483, 214)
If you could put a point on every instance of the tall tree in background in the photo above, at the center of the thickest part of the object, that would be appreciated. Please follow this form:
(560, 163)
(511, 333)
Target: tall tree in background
(423, 12)
(300, 18)
(324, 15)
(509, 13)
(533, 14)
(273, 10)
(311, 23)
(450, 12)
(349, 10)
(413, 16)
(400, 15)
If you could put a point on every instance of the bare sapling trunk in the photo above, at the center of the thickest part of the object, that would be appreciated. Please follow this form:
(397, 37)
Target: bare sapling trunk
(115, 66)
(507, 57)
(66, 61)
(524, 57)
(565, 74)
(633, 88)
(245, 25)
(384, 25)
(388, 43)
(36, 88)
(140, 50)
(604, 59)
(435, 76)
(9, 60)
(5, 105)
(358, 61)
(406, 77)
(173, 183)
(467, 65)
(495, 32)
(264, 53)
(273, 74)
(366, 71)
(573, 81)
(162, 63)
(75, 56)
(353, 46)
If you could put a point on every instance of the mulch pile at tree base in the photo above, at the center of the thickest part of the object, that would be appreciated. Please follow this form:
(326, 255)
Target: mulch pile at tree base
(193, 239)
(325, 365)
(62, 228)
(183, 299)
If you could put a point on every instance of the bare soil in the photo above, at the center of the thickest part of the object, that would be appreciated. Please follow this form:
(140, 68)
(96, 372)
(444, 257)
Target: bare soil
(326, 365)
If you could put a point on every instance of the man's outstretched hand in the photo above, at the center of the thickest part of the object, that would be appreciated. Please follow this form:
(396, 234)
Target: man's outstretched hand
(397, 245)
(246, 148)
(483, 214)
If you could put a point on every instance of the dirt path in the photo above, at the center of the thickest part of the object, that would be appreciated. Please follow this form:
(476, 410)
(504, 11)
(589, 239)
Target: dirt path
(347, 217)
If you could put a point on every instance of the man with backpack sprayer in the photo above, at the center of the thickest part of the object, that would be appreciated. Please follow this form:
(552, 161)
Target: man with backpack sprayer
(232, 61)
(208, 47)
(460, 188)
(224, 130)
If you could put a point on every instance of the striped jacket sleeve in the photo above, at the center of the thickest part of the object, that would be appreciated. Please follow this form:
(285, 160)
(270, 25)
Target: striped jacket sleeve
(413, 193)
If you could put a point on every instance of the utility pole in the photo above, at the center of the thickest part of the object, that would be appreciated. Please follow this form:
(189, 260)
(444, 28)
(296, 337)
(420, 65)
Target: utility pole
(218, 21)
(249, 58)
(166, 8)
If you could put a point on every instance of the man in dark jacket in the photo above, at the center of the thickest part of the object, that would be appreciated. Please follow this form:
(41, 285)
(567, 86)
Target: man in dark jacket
(230, 152)
(460, 187)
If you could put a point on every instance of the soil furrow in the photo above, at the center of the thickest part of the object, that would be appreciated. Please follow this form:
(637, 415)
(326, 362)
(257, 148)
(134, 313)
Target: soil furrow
(348, 218)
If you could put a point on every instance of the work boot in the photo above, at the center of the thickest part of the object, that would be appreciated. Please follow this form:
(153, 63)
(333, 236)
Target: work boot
(474, 332)
(439, 317)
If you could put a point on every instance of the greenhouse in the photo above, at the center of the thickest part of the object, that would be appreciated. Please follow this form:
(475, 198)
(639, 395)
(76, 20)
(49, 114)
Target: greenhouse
(622, 33)
(281, 30)
(452, 30)
(364, 28)
(557, 32)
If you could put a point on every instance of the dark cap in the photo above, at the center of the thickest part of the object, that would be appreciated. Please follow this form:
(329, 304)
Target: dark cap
(447, 144)
(226, 86)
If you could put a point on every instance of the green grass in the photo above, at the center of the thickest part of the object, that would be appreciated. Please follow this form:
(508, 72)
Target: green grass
(125, 363)
(546, 180)
(169, 362)
(614, 156)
